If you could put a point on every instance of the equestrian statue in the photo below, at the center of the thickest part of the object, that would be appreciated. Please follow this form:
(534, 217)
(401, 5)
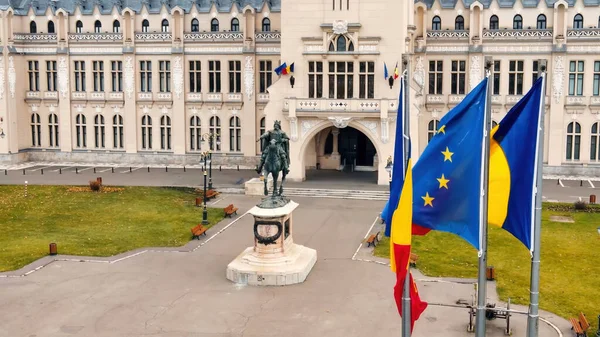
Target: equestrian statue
(275, 159)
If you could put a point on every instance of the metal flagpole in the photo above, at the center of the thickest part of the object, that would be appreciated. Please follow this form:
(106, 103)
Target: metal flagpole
(406, 319)
(534, 292)
(483, 216)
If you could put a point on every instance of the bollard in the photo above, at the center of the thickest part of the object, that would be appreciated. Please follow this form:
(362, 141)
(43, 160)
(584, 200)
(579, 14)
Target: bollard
(490, 273)
(581, 183)
(557, 181)
(592, 199)
(183, 168)
(148, 169)
(94, 170)
(53, 249)
(129, 169)
(219, 168)
(112, 170)
(238, 167)
(42, 171)
(166, 169)
(76, 171)
(5, 172)
(23, 171)
(60, 170)
(198, 202)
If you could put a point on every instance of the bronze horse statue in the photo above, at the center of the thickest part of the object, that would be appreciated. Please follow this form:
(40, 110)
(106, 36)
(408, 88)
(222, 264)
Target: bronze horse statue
(274, 166)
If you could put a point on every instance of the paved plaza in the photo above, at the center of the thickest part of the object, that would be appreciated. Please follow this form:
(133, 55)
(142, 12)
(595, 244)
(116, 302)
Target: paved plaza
(184, 292)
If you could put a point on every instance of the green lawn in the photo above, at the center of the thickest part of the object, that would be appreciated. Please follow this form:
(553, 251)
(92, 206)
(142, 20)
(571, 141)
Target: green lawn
(570, 264)
(92, 223)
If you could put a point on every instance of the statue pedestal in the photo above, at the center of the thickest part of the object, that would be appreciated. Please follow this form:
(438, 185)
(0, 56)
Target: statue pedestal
(275, 259)
(256, 186)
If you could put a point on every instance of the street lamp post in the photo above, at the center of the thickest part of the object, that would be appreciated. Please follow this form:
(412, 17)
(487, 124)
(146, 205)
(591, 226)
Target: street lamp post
(204, 210)
(388, 168)
(209, 137)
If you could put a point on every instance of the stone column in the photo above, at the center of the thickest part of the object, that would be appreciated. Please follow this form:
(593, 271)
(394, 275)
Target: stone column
(130, 110)
(178, 124)
(336, 134)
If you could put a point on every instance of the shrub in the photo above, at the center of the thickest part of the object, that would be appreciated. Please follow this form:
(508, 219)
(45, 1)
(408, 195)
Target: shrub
(580, 205)
(95, 185)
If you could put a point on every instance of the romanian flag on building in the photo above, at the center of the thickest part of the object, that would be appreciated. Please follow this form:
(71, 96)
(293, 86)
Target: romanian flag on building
(513, 166)
(284, 69)
(385, 71)
(448, 178)
(396, 72)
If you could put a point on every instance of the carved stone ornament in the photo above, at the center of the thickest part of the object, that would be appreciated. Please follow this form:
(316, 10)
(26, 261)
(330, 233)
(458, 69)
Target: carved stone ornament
(371, 125)
(340, 27)
(12, 77)
(178, 76)
(1, 77)
(419, 75)
(294, 128)
(385, 126)
(475, 72)
(129, 76)
(307, 125)
(340, 122)
(63, 77)
(559, 78)
(249, 77)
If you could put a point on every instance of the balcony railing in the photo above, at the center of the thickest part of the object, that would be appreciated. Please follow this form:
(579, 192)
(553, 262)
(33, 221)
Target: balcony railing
(142, 37)
(575, 100)
(97, 96)
(164, 96)
(436, 99)
(448, 34)
(513, 99)
(194, 97)
(595, 100)
(339, 105)
(79, 96)
(95, 37)
(33, 94)
(497, 99)
(263, 98)
(37, 38)
(213, 36)
(584, 33)
(233, 97)
(115, 96)
(517, 34)
(267, 36)
(50, 95)
(144, 96)
(214, 97)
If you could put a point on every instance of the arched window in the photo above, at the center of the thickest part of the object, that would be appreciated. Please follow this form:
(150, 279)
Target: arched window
(117, 131)
(97, 27)
(195, 26)
(341, 43)
(215, 129)
(432, 128)
(578, 21)
(53, 130)
(494, 23)
(459, 23)
(262, 130)
(116, 26)
(436, 23)
(235, 25)
(147, 133)
(78, 27)
(99, 134)
(541, 22)
(36, 130)
(235, 134)
(266, 25)
(32, 27)
(195, 134)
(81, 131)
(51, 29)
(594, 148)
(517, 22)
(145, 26)
(165, 133)
(573, 140)
(214, 25)
(165, 26)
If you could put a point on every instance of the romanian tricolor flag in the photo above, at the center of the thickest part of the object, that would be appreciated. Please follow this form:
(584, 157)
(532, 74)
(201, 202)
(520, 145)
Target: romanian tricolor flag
(396, 72)
(284, 69)
(513, 170)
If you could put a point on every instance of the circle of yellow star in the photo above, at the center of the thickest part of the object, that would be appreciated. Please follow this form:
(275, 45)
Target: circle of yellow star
(443, 181)
(442, 129)
(447, 154)
(428, 200)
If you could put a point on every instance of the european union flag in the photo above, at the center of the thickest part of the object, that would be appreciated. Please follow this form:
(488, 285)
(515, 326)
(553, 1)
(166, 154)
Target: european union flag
(513, 164)
(447, 178)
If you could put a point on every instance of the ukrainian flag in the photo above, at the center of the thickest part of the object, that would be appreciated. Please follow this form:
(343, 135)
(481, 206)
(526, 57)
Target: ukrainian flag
(513, 166)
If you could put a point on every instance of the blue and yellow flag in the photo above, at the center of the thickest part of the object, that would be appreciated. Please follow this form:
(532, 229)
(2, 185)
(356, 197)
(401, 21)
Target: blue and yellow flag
(513, 167)
(447, 178)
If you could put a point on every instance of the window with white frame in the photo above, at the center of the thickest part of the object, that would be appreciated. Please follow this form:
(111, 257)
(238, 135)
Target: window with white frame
(145, 26)
(118, 129)
(496, 78)
(97, 27)
(214, 76)
(315, 79)
(195, 25)
(147, 132)
(432, 128)
(146, 76)
(576, 78)
(573, 141)
(215, 129)
(195, 134)
(79, 75)
(341, 80)
(98, 74)
(81, 131)
(51, 77)
(165, 26)
(36, 130)
(535, 71)
(235, 134)
(596, 87)
(53, 130)
(117, 76)
(265, 75)
(578, 21)
(195, 76)
(458, 81)
(262, 129)
(595, 137)
(515, 77)
(78, 27)
(366, 80)
(341, 43)
(164, 75)
(99, 132)
(34, 75)
(436, 23)
(235, 25)
(235, 76)
(116, 26)
(165, 133)
(436, 77)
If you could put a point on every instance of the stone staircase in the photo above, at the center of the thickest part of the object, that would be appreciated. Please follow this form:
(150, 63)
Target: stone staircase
(337, 194)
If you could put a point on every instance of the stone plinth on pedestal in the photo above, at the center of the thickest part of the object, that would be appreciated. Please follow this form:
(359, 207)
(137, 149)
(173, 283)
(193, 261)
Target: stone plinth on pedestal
(275, 259)
(256, 186)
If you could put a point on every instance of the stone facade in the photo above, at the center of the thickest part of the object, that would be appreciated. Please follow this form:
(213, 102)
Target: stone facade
(157, 74)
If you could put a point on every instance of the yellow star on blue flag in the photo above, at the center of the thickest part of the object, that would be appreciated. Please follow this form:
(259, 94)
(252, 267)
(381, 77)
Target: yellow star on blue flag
(448, 175)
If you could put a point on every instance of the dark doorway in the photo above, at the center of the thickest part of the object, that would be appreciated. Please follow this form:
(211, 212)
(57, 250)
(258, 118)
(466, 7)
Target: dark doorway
(354, 145)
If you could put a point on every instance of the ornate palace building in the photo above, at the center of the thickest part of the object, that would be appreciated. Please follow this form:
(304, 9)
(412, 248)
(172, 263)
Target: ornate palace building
(144, 82)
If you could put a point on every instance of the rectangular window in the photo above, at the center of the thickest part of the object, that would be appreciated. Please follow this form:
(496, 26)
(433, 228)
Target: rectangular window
(315, 79)
(436, 77)
(265, 75)
(146, 76)
(596, 78)
(164, 74)
(195, 76)
(341, 80)
(117, 76)
(496, 79)
(51, 75)
(98, 72)
(214, 76)
(515, 78)
(366, 80)
(235, 76)
(34, 76)
(458, 71)
(79, 75)
(576, 78)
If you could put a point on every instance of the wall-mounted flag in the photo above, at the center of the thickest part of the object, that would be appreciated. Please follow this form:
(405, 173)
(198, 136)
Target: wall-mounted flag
(396, 72)
(385, 71)
(284, 69)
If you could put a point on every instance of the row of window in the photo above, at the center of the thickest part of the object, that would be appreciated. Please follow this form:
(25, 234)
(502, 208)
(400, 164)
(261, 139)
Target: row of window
(145, 73)
(341, 77)
(100, 128)
(116, 27)
(515, 78)
(459, 22)
(573, 144)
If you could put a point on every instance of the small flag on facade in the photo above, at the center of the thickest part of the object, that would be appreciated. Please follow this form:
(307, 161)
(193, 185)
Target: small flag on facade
(385, 71)
(284, 69)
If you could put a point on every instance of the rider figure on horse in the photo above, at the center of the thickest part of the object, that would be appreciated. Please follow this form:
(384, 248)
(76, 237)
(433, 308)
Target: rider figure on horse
(281, 140)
